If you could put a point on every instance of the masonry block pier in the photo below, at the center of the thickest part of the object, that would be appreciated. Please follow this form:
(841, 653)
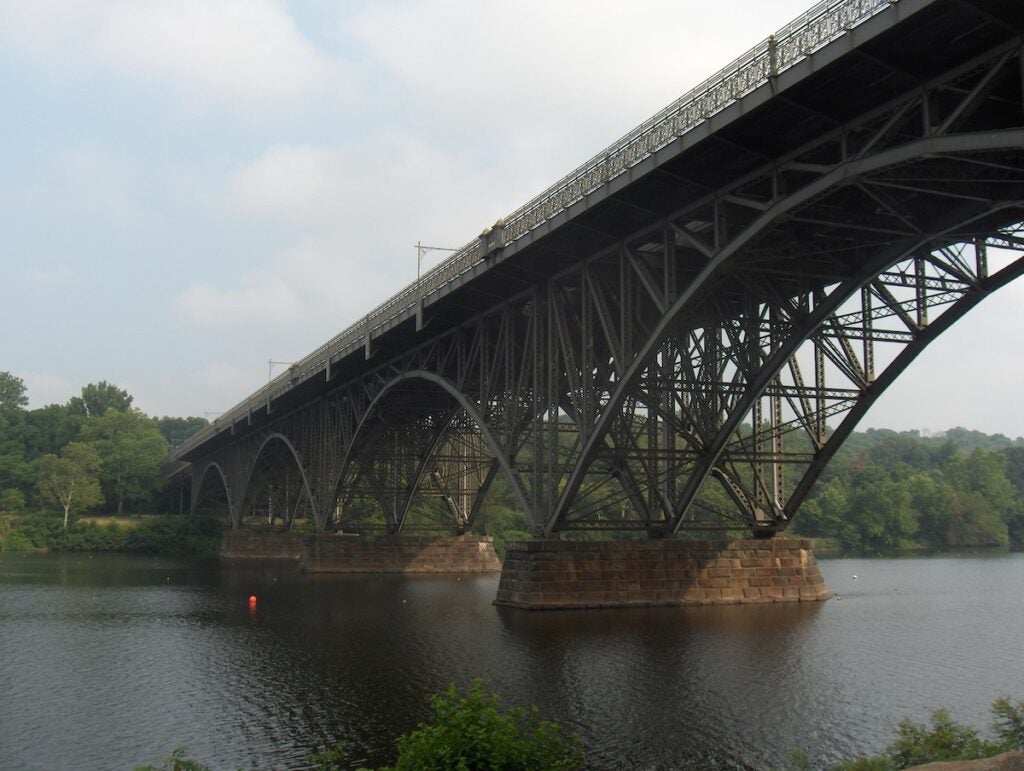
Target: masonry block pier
(366, 554)
(551, 574)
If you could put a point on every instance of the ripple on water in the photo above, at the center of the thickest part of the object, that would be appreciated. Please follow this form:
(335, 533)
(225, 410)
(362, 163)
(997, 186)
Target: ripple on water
(131, 658)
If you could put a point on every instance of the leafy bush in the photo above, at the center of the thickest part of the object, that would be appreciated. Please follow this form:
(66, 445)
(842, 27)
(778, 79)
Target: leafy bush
(1008, 722)
(16, 542)
(38, 530)
(176, 761)
(469, 732)
(176, 535)
(917, 743)
(155, 535)
(12, 501)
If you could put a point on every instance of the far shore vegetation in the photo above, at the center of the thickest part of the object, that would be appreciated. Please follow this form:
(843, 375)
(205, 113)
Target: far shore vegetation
(74, 476)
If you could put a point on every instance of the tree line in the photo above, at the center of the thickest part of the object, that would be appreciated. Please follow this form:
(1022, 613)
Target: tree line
(884, 489)
(888, 489)
(95, 453)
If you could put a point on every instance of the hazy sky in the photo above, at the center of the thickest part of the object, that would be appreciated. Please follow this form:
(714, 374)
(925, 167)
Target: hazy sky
(191, 188)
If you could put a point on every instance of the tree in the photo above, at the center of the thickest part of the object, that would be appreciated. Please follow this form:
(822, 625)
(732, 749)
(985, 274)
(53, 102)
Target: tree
(177, 430)
(47, 429)
(71, 479)
(881, 508)
(98, 398)
(12, 392)
(15, 470)
(11, 501)
(131, 449)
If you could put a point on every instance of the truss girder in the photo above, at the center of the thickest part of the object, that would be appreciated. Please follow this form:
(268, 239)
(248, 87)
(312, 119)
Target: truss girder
(702, 371)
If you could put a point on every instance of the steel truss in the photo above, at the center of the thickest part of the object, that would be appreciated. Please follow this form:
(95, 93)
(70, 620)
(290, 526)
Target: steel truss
(698, 374)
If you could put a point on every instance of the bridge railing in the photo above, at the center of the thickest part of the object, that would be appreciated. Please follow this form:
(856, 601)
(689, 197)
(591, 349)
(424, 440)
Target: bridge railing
(824, 22)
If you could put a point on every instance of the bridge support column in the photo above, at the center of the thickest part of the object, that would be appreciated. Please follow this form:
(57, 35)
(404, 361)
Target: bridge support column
(550, 574)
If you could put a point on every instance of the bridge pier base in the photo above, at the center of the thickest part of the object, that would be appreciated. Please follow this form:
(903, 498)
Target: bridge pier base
(366, 554)
(551, 574)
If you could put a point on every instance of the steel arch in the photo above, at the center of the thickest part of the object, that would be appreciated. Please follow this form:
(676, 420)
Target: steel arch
(464, 403)
(891, 373)
(276, 436)
(198, 488)
(938, 145)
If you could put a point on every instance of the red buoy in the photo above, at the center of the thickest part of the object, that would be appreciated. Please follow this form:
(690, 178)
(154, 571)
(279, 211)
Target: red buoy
(252, 599)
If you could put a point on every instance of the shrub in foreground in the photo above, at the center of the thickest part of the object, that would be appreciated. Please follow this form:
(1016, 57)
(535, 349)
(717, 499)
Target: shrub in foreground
(470, 732)
(945, 739)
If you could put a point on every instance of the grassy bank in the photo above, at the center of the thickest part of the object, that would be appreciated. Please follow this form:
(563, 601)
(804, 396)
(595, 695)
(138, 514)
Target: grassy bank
(44, 531)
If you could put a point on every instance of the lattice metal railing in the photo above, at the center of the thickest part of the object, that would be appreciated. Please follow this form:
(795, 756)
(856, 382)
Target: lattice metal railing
(823, 23)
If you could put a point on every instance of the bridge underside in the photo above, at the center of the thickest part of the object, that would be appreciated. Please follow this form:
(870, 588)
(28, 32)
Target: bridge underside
(690, 352)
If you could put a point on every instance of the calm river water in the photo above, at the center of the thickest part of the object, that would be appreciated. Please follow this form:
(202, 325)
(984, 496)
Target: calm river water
(110, 662)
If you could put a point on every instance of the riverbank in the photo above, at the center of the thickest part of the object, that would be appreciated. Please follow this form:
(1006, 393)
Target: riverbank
(154, 534)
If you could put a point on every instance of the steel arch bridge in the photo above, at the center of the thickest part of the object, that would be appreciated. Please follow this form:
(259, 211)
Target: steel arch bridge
(682, 332)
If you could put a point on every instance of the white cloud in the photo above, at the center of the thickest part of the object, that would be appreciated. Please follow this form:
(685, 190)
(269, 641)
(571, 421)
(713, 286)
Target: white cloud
(393, 182)
(264, 298)
(93, 180)
(204, 392)
(300, 185)
(247, 53)
(350, 218)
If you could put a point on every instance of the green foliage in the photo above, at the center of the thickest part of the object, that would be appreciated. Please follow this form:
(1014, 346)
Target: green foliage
(330, 758)
(886, 489)
(11, 501)
(47, 430)
(503, 524)
(176, 761)
(70, 481)
(153, 535)
(1008, 722)
(98, 398)
(33, 531)
(469, 732)
(917, 743)
(12, 392)
(175, 535)
(131, 448)
(945, 739)
(177, 430)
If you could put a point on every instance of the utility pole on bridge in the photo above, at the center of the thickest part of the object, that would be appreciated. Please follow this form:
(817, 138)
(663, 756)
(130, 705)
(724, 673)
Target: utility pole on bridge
(422, 249)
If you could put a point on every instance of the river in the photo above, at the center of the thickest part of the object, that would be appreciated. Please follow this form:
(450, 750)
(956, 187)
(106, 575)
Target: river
(107, 662)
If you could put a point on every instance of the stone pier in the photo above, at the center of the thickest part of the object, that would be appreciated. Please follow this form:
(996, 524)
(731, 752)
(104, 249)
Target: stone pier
(365, 554)
(552, 574)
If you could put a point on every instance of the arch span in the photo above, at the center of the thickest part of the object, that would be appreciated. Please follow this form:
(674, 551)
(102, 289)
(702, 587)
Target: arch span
(772, 319)
(203, 477)
(264, 464)
(462, 405)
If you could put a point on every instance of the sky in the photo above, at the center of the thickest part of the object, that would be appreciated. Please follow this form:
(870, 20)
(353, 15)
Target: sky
(191, 189)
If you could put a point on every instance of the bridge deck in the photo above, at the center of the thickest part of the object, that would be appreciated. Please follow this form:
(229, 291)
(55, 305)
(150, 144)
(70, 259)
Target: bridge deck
(832, 63)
